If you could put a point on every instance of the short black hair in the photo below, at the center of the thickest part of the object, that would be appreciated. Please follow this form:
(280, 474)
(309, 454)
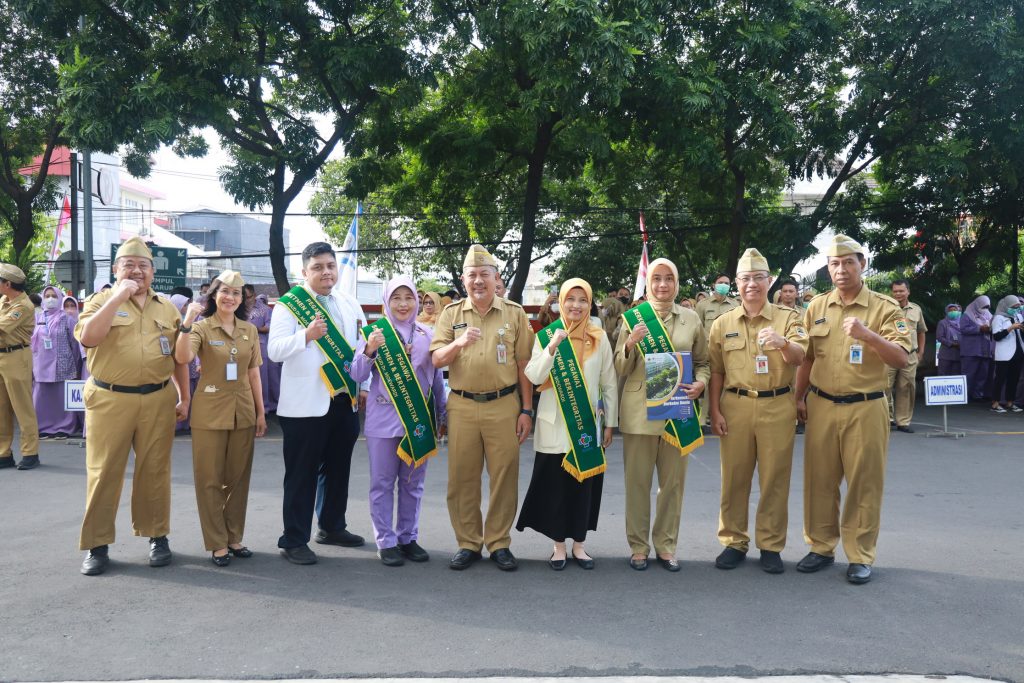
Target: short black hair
(247, 287)
(900, 281)
(316, 249)
(721, 275)
(242, 312)
(788, 281)
(452, 294)
(34, 298)
(205, 284)
(16, 286)
(184, 291)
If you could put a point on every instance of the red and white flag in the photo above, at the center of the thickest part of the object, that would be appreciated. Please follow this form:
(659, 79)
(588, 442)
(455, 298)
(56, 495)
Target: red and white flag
(641, 273)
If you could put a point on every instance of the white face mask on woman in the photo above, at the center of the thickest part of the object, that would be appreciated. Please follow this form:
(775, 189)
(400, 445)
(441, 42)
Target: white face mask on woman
(50, 303)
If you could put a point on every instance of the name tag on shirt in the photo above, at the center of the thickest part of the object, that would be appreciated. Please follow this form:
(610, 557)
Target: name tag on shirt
(216, 343)
(165, 346)
(761, 365)
(459, 326)
(122, 314)
(856, 354)
(231, 370)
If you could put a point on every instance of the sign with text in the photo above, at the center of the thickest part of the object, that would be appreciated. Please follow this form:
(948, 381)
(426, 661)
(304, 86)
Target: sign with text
(168, 267)
(73, 399)
(945, 391)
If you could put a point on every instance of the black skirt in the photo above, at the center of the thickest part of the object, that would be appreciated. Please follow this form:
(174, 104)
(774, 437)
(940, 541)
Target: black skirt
(556, 504)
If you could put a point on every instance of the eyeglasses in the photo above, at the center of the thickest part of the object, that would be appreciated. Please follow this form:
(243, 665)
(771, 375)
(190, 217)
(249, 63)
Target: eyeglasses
(747, 279)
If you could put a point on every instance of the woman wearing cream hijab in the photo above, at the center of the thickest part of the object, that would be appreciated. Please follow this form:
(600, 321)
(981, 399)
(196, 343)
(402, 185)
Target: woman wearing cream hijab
(558, 504)
(644, 449)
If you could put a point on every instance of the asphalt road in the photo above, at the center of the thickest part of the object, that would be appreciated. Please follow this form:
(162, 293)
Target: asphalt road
(948, 597)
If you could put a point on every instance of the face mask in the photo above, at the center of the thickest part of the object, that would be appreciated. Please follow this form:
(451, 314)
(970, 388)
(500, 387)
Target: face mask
(624, 300)
(50, 304)
(722, 289)
(554, 307)
(953, 315)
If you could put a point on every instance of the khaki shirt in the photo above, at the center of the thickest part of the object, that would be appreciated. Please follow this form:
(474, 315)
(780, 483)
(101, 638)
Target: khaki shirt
(733, 347)
(131, 353)
(476, 368)
(687, 334)
(17, 320)
(709, 310)
(218, 403)
(915, 323)
(832, 371)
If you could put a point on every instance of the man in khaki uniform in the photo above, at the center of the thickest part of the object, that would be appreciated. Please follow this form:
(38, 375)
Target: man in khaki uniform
(903, 383)
(17, 321)
(129, 334)
(755, 350)
(709, 310)
(486, 342)
(855, 334)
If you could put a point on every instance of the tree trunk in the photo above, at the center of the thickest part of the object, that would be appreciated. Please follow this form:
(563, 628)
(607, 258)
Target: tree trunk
(25, 230)
(737, 219)
(534, 180)
(279, 209)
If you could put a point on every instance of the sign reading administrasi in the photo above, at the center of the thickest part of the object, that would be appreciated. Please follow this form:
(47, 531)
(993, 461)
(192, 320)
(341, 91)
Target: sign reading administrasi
(73, 399)
(945, 391)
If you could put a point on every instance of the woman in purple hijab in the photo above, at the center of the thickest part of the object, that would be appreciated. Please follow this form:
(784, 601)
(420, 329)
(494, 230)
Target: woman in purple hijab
(977, 347)
(56, 357)
(270, 372)
(947, 333)
(384, 430)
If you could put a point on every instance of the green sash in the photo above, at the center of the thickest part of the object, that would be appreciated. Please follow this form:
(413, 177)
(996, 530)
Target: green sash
(683, 434)
(339, 354)
(586, 456)
(399, 377)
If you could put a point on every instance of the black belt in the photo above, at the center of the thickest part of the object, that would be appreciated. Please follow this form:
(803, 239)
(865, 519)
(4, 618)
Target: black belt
(144, 389)
(484, 398)
(848, 398)
(8, 349)
(767, 393)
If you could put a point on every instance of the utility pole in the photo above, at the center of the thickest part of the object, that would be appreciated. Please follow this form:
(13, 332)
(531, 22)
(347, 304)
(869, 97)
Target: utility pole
(76, 264)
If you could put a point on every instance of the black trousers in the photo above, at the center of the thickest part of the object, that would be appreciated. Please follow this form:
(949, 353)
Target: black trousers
(1007, 376)
(317, 462)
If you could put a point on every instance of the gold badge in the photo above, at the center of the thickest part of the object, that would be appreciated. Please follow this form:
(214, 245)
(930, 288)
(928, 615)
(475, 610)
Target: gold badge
(901, 326)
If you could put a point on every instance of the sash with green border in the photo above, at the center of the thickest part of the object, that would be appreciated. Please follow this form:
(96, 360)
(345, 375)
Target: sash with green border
(399, 378)
(586, 456)
(683, 434)
(339, 354)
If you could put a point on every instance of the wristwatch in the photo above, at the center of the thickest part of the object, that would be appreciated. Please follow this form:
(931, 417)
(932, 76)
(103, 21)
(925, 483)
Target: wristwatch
(527, 412)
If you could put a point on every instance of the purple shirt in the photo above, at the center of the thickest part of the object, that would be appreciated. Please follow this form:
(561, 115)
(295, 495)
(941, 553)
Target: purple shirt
(382, 420)
(948, 332)
(974, 342)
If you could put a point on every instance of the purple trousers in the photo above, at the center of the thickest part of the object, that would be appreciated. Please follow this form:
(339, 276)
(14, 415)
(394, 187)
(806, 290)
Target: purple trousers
(386, 468)
(949, 367)
(979, 372)
(48, 398)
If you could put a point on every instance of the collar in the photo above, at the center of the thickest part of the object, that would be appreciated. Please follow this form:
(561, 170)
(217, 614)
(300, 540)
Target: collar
(767, 311)
(863, 297)
(305, 286)
(496, 303)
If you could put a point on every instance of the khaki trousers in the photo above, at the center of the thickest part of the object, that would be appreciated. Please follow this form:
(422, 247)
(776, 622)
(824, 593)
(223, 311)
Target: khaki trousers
(848, 441)
(16, 401)
(760, 434)
(221, 466)
(483, 434)
(115, 424)
(642, 455)
(902, 393)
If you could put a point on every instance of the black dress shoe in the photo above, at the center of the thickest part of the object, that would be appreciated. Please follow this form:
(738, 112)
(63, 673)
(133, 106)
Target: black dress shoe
(29, 462)
(638, 565)
(159, 552)
(221, 560)
(812, 562)
(7, 462)
(463, 559)
(799, 428)
(906, 429)
(557, 565)
(391, 557)
(858, 573)
(771, 562)
(413, 552)
(671, 564)
(505, 560)
(96, 561)
(344, 538)
(730, 558)
(584, 563)
(242, 552)
(299, 555)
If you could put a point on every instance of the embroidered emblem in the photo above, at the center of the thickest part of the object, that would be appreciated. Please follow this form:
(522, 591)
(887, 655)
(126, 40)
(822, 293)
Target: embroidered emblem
(419, 431)
(901, 326)
(585, 441)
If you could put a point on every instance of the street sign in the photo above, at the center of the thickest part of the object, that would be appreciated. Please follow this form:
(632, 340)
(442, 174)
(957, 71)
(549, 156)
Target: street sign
(73, 399)
(168, 264)
(945, 391)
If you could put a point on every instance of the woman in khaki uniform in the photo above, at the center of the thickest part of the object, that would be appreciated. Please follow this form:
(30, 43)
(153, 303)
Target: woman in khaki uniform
(227, 412)
(643, 448)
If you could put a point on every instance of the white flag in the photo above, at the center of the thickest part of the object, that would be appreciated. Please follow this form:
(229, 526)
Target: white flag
(641, 272)
(348, 257)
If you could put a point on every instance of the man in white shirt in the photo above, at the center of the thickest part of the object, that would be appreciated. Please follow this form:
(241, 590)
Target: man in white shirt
(318, 406)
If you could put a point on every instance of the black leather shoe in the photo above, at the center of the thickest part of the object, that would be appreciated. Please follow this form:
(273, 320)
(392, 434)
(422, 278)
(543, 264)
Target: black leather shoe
(584, 563)
(242, 552)
(391, 557)
(463, 559)
(638, 565)
(812, 562)
(771, 562)
(413, 552)
(29, 462)
(344, 538)
(671, 564)
(221, 560)
(7, 462)
(906, 429)
(299, 555)
(557, 565)
(505, 560)
(799, 428)
(96, 561)
(159, 552)
(858, 573)
(730, 558)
